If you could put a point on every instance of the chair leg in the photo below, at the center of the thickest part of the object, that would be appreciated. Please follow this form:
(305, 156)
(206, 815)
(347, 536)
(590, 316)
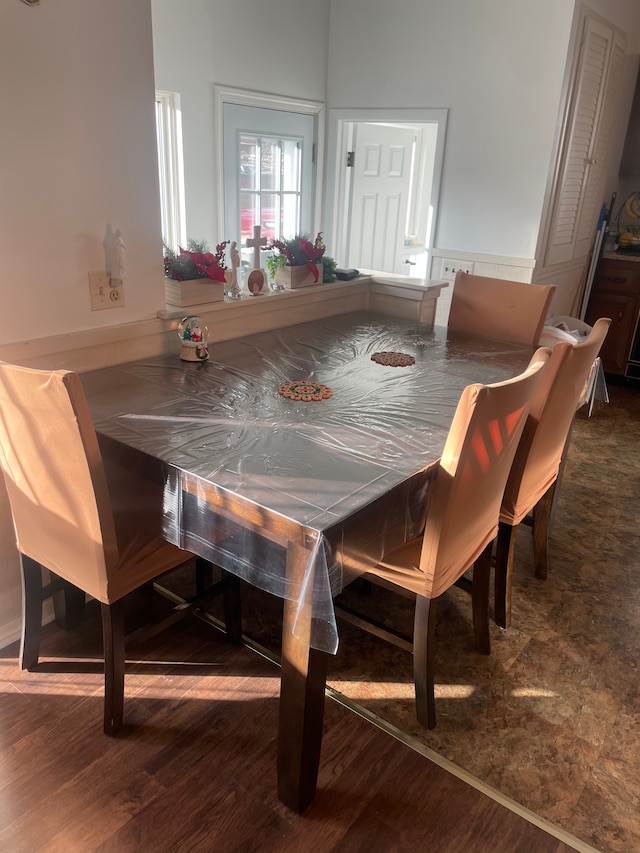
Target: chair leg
(480, 600)
(541, 529)
(505, 551)
(114, 661)
(31, 613)
(424, 636)
(232, 607)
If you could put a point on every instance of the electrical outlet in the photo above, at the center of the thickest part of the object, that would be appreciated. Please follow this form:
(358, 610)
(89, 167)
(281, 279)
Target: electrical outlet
(450, 268)
(103, 295)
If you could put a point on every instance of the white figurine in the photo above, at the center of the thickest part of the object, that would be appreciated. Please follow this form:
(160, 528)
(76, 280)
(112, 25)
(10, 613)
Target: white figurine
(117, 256)
(235, 260)
(233, 289)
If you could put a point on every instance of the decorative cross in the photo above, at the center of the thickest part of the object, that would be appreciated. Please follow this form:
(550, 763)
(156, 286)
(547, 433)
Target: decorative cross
(255, 245)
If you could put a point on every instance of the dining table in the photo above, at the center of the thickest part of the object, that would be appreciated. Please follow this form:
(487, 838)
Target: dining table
(294, 459)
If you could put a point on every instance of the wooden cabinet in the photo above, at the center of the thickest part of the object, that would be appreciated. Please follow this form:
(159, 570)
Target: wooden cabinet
(616, 294)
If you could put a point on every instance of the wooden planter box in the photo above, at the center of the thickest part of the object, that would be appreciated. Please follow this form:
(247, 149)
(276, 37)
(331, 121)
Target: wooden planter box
(295, 277)
(194, 291)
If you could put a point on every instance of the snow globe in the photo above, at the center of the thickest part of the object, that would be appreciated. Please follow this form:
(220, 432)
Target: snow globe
(193, 333)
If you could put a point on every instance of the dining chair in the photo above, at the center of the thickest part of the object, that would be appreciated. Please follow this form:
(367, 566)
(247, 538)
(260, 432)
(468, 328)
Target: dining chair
(461, 522)
(70, 520)
(499, 308)
(532, 482)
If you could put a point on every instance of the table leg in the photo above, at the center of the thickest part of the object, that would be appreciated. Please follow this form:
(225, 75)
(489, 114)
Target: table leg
(302, 686)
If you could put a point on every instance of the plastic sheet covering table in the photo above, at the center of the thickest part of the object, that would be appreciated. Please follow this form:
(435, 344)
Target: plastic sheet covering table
(292, 496)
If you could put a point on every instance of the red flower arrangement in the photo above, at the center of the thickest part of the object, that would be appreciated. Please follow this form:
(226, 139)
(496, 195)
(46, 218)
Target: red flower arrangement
(195, 262)
(294, 252)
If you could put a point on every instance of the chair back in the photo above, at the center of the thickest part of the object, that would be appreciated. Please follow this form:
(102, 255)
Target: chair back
(462, 518)
(500, 309)
(559, 394)
(55, 477)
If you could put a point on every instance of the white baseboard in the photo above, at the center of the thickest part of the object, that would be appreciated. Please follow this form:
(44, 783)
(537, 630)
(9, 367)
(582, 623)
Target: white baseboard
(10, 632)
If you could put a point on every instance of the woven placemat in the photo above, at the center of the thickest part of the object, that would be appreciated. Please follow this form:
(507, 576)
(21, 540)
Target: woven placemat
(305, 390)
(393, 359)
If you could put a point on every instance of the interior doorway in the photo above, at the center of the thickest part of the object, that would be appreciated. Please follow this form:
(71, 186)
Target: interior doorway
(383, 191)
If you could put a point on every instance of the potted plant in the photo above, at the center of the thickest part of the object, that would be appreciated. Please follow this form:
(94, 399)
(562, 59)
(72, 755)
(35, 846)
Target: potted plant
(194, 275)
(298, 262)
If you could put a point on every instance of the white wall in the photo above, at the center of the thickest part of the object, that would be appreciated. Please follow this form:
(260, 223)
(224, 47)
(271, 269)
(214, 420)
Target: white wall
(77, 159)
(498, 67)
(275, 46)
(78, 136)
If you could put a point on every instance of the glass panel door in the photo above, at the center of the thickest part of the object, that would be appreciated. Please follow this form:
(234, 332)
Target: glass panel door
(268, 173)
(270, 185)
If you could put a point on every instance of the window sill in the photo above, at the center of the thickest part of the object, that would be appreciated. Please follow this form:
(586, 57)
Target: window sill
(370, 290)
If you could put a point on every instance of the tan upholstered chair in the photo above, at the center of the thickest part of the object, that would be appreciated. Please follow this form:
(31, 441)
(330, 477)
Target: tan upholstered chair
(63, 515)
(500, 309)
(462, 519)
(532, 481)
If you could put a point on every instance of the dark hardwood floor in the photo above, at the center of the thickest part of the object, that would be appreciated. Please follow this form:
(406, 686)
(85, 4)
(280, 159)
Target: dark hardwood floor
(194, 768)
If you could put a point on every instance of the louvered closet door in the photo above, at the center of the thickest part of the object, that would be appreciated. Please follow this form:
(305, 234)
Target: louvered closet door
(579, 189)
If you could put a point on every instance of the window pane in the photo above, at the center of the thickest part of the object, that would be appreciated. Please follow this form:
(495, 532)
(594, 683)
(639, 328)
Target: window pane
(270, 185)
(248, 156)
(290, 214)
(170, 169)
(162, 171)
(248, 217)
(291, 165)
(269, 215)
(270, 164)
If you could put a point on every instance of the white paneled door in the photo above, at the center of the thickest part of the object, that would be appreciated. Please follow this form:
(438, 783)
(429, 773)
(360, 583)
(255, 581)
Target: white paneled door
(381, 190)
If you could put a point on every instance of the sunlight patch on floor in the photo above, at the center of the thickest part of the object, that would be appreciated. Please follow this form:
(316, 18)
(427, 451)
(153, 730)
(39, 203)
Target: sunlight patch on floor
(363, 690)
(533, 693)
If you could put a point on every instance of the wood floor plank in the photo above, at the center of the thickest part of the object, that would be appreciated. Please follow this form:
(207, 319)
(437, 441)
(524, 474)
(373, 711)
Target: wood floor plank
(195, 766)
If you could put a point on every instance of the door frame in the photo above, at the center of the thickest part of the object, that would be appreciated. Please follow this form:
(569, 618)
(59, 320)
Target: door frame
(244, 97)
(338, 189)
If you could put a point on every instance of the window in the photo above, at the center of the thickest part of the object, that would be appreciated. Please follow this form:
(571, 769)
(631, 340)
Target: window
(170, 165)
(270, 185)
(269, 165)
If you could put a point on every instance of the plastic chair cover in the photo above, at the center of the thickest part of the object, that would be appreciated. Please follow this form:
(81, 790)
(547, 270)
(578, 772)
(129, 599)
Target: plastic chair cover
(464, 508)
(500, 309)
(570, 329)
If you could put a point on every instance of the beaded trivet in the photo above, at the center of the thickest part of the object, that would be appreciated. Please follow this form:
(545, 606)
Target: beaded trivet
(305, 390)
(393, 359)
